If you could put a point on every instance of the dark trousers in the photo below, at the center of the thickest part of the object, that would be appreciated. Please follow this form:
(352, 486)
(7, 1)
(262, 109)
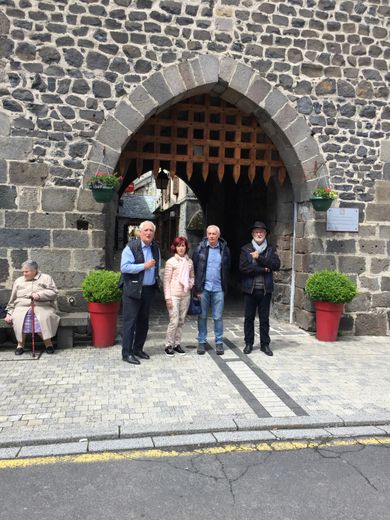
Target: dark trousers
(261, 302)
(136, 321)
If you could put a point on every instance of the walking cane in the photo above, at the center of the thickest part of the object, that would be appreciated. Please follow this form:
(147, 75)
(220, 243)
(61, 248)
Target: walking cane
(32, 327)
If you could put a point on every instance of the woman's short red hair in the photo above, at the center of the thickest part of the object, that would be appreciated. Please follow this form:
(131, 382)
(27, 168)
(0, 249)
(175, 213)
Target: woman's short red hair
(178, 242)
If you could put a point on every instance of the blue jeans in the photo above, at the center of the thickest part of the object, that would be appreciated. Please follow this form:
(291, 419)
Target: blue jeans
(216, 301)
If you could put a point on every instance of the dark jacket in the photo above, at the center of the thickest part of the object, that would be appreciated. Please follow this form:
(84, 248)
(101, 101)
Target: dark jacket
(250, 268)
(131, 283)
(200, 257)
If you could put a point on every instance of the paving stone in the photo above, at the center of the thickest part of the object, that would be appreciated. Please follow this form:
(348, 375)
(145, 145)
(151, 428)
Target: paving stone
(48, 450)
(355, 431)
(121, 444)
(8, 453)
(184, 440)
(314, 433)
(259, 435)
(129, 430)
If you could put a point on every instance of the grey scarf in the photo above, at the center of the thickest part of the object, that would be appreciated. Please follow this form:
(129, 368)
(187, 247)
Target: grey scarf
(260, 248)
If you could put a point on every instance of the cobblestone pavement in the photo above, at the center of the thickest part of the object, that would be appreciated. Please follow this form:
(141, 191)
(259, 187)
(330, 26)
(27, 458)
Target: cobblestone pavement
(85, 388)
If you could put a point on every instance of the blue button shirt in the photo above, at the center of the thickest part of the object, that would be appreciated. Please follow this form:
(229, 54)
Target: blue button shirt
(128, 264)
(213, 270)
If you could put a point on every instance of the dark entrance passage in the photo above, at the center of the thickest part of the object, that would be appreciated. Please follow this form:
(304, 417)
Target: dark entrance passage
(221, 153)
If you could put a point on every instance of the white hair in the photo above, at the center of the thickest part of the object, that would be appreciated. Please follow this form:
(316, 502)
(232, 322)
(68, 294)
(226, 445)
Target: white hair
(212, 226)
(30, 265)
(143, 224)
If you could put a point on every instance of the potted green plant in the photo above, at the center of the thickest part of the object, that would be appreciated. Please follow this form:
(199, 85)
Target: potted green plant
(322, 198)
(329, 290)
(100, 290)
(103, 186)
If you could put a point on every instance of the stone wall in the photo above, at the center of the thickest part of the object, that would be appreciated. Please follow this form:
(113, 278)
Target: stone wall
(78, 77)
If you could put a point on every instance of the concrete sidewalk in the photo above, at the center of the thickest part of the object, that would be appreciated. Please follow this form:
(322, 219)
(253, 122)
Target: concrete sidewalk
(87, 399)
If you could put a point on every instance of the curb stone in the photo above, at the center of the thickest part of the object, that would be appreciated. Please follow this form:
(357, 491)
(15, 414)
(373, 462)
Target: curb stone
(90, 445)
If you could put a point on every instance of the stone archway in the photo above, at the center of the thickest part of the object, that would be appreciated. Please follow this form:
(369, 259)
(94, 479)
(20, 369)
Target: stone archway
(242, 87)
(238, 84)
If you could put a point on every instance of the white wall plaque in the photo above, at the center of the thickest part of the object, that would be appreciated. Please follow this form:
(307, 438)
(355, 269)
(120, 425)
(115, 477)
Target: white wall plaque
(342, 219)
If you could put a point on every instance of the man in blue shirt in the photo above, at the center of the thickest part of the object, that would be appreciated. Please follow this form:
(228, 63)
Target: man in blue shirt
(212, 266)
(140, 264)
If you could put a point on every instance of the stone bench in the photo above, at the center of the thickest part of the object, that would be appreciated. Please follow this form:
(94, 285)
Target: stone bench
(68, 321)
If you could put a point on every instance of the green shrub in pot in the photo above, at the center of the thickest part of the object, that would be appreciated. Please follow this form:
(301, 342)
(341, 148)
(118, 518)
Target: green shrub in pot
(101, 286)
(330, 286)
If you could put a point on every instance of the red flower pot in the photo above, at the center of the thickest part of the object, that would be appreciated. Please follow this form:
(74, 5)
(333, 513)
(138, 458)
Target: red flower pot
(328, 320)
(103, 323)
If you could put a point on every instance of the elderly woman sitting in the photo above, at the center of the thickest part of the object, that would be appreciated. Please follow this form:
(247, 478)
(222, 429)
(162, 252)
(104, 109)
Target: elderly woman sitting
(39, 288)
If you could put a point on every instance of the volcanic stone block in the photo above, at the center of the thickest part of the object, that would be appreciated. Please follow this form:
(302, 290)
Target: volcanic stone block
(15, 148)
(5, 124)
(378, 212)
(16, 219)
(258, 90)
(50, 260)
(4, 270)
(32, 174)
(25, 237)
(158, 88)
(372, 247)
(7, 198)
(113, 134)
(352, 264)
(371, 324)
(141, 101)
(385, 151)
(241, 78)
(58, 199)
(70, 239)
(3, 171)
(47, 220)
(88, 260)
(297, 131)
(382, 192)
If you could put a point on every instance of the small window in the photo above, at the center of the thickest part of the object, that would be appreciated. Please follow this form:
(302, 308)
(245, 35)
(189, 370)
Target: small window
(230, 136)
(260, 138)
(166, 131)
(182, 115)
(181, 149)
(229, 152)
(148, 147)
(213, 151)
(260, 154)
(230, 119)
(199, 117)
(165, 148)
(245, 137)
(215, 118)
(198, 133)
(214, 135)
(182, 132)
(245, 153)
(197, 150)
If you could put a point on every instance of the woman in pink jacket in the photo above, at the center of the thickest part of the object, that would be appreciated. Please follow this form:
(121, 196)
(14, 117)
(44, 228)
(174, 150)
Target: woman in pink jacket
(178, 282)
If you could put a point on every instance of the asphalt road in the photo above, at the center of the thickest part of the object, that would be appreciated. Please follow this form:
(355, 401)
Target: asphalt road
(349, 482)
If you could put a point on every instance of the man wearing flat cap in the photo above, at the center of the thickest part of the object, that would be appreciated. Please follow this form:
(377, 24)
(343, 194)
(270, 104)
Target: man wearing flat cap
(258, 260)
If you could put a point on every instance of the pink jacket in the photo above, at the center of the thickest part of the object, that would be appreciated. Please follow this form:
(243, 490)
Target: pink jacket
(172, 286)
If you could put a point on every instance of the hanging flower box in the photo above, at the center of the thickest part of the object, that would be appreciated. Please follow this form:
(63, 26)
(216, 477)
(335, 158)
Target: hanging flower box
(103, 186)
(322, 198)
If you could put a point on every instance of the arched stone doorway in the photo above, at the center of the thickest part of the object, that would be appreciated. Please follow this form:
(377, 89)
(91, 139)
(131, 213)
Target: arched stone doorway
(243, 88)
(224, 157)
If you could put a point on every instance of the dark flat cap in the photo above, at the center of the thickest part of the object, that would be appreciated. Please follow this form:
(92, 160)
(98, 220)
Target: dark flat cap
(259, 225)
